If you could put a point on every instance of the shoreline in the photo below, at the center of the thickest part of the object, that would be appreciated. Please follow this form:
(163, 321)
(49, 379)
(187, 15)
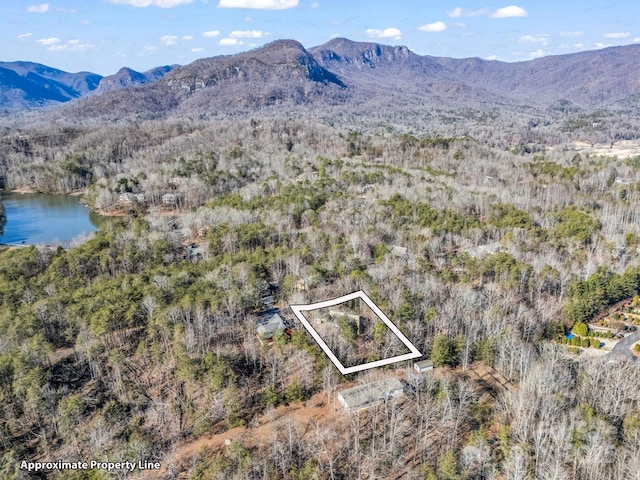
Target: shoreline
(117, 213)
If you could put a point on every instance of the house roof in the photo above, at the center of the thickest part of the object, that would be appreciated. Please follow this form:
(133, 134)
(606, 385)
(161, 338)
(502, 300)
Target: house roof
(371, 393)
(273, 324)
(424, 364)
(399, 251)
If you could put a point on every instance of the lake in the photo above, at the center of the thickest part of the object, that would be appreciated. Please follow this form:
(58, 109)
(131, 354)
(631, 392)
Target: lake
(37, 218)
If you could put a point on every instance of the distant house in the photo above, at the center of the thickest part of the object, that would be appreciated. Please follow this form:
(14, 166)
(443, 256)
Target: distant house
(194, 253)
(270, 327)
(126, 198)
(486, 249)
(398, 251)
(370, 394)
(623, 181)
(423, 366)
(169, 199)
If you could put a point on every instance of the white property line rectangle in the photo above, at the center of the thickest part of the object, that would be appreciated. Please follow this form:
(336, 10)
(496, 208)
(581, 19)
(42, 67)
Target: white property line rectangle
(298, 309)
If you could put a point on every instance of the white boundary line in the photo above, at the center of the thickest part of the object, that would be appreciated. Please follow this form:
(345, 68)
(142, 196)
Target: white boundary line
(298, 309)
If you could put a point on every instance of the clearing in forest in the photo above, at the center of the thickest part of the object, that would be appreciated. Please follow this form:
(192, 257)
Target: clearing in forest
(354, 333)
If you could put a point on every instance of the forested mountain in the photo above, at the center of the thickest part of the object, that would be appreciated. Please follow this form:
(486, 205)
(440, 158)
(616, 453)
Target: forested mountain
(126, 77)
(358, 76)
(590, 79)
(28, 85)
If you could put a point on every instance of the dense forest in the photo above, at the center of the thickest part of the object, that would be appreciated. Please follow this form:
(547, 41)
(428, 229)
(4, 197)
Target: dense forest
(128, 346)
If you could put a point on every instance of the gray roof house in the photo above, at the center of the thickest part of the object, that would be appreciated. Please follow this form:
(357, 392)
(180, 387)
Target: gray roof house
(370, 394)
(267, 329)
(423, 366)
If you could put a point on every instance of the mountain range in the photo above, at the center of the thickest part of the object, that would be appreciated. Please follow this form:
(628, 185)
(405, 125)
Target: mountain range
(285, 75)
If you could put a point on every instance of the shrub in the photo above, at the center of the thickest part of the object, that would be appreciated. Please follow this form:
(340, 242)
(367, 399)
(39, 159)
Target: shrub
(444, 351)
(271, 396)
(295, 392)
(581, 329)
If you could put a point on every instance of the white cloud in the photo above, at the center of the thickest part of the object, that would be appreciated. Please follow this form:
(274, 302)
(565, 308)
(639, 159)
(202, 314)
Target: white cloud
(433, 27)
(563, 45)
(463, 12)
(152, 3)
(229, 42)
(187, 37)
(577, 33)
(492, 57)
(259, 4)
(43, 8)
(197, 50)
(578, 45)
(24, 35)
(54, 44)
(48, 41)
(636, 40)
(152, 48)
(315, 5)
(617, 35)
(248, 34)
(386, 33)
(67, 10)
(510, 11)
(169, 40)
(538, 53)
(211, 33)
(71, 46)
(541, 39)
(334, 35)
(602, 45)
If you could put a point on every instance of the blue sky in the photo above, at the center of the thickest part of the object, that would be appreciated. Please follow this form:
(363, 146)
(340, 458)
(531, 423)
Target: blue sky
(103, 35)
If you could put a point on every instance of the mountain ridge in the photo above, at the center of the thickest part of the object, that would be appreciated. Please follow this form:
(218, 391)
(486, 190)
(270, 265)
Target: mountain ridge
(338, 72)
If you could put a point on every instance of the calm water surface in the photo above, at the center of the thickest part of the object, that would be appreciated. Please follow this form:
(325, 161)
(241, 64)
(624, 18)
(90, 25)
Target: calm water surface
(35, 218)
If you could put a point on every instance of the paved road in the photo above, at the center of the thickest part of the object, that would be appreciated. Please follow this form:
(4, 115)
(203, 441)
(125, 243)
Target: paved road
(623, 347)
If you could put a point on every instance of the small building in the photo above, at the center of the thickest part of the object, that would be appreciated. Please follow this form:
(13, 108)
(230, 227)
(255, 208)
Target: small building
(484, 250)
(268, 328)
(126, 198)
(194, 253)
(623, 181)
(367, 395)
(423, 366)
(169, 199)
(400, 252)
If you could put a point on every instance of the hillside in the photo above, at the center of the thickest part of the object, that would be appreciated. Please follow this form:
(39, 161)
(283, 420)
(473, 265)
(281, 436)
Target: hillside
(339, 78)
(27, 85)
(126, 77)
